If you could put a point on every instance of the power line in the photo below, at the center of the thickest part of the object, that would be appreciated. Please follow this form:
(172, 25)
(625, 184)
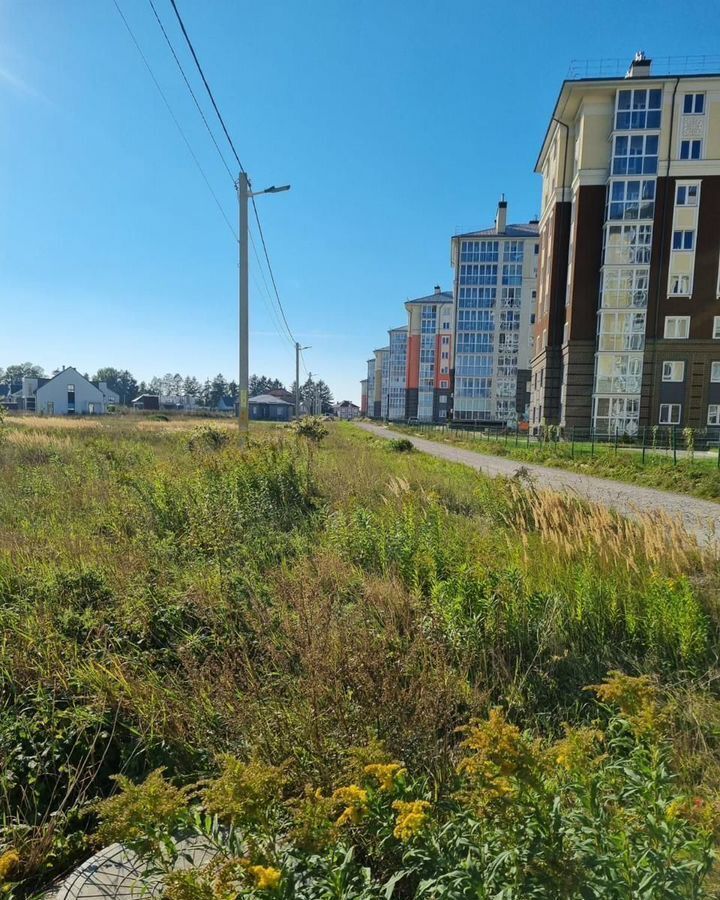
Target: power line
(174, 118)
(232, 146)
(192, 92)
(207, 86)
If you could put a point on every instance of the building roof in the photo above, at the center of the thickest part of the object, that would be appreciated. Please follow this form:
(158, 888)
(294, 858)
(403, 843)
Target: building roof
(269, 398)
(523, 230)
(399, 328)
(143, 396)
(437, 297)
(381, 350)
(46, 381)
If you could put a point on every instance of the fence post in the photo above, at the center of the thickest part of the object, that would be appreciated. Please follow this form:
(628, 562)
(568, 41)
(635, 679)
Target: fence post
(528, 438)
(616, 439)
(674, 443)
(572, 446)
(644, 443)
(517, 432)
(592, 441)
(718, 459)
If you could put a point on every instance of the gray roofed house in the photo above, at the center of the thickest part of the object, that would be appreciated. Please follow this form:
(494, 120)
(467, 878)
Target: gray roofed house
(268, 408)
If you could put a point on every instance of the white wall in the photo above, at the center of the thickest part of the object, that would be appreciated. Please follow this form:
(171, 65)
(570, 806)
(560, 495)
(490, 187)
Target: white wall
(55, 392)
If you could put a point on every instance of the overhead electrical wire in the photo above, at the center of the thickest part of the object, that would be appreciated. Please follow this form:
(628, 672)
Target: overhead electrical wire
(266, 296)
(240, 165)
(175, 120)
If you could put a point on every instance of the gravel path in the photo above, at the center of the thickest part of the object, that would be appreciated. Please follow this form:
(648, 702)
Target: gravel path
(700, 517)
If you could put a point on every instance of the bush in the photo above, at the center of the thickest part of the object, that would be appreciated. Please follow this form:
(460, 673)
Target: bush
(524, 818)
(310, 427)
(402, 445)
(159, 417)
(208, 437)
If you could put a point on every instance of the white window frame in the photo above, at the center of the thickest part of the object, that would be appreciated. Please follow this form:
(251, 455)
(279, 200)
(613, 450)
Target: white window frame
(687, 199)
(673, 370)
(683, 233)
(716, 328)
(713, 415)
(715, 371)
(690, 157)
(672, 323)
(666, 413)
(693, 103)
(680, 285)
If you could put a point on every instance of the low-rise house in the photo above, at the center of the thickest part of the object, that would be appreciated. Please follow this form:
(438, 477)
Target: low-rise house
(65, 394)
(346, 410)
(146, 401)
(268, 408)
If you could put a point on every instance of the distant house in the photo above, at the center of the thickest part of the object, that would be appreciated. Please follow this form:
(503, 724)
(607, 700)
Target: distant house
(146, 401)
(268, 408)
(282, 394)
(112, 398)
(66, 394)
(346, 410)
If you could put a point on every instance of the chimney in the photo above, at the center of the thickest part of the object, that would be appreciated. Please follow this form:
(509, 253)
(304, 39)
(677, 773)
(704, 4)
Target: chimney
(438, 289)
(640, 66)
(501, 217)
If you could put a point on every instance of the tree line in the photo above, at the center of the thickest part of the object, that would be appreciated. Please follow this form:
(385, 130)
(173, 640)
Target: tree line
(208, 393)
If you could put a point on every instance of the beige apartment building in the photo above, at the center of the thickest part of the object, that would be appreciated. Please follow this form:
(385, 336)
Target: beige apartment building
(627, 331)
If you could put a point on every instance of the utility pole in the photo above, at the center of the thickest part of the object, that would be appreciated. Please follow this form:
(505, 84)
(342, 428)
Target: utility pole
(244, 194)
(243, 189)
(298, 351)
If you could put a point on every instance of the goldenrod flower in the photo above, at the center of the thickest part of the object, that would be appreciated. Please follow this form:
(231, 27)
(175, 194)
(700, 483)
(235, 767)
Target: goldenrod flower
(355, 801)
(9, 861)
(386, 774)
(411, 818)
(266, 878)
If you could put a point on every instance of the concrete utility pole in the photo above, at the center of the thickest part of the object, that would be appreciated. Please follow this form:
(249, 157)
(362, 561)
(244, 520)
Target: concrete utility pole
(244, 194)
(298, 351)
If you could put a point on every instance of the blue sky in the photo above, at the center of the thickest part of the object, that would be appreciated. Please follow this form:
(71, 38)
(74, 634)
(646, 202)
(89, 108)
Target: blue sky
(396, 123)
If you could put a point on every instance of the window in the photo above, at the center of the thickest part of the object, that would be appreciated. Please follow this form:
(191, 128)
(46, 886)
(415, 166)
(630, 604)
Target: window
(673, 370)
(670, 413)
(632, 199)
(624, 288)
(713, 417)
(686, 195)
(694, 104)
(716, 327)
(680, 285)
(446, 326)
(479, 251)
(635, 154)
(443, 384)
(445, 355)
(638, 109)
(690, 149)
(537, 249)
(628, 244)
(715, 371)
(678, 327)
(445, 340)
(683, 240)
(621, 331)
(532, 318)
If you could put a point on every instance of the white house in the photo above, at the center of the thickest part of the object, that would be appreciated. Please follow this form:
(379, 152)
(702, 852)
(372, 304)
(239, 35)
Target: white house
(69, 393)
(346, 410)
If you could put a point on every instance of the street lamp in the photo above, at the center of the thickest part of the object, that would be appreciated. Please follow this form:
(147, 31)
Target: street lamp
(244, 194)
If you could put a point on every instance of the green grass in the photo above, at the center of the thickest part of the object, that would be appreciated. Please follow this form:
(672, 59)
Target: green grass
(699, 477)
(166, 598)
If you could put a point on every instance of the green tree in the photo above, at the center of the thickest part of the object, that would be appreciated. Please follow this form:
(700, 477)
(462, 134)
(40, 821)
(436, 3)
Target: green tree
(316, 392)
(261, 384)
(14, 374)
(119, 380)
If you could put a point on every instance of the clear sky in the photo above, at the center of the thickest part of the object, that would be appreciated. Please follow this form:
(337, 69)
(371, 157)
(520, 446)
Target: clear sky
(397, 122)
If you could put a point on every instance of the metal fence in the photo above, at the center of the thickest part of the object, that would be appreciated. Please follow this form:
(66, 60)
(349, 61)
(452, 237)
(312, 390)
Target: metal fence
(671, 442)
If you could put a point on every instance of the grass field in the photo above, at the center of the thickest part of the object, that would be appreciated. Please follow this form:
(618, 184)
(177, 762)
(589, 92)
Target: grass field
(282, 620)
(697, 474)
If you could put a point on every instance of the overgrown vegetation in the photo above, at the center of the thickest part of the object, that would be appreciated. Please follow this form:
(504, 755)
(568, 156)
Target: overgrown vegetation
(170, 601)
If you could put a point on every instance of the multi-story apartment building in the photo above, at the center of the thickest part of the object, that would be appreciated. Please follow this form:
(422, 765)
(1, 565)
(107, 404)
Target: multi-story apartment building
(495, 298)
(380, 382)
(397, 373)
(363, 397)
(429, 356)
(371, 387)
(628, 324)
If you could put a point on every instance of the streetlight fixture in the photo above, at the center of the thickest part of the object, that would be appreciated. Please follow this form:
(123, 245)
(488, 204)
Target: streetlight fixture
(244, 194)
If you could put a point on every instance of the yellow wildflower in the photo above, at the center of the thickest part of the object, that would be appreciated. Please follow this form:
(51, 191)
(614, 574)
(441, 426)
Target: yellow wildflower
(386, 774)
(577, 752)
(9, 861)
(313, 816)
(266, 878)
(244, 792)
(411, 818)
(354, 799)
(635, 697)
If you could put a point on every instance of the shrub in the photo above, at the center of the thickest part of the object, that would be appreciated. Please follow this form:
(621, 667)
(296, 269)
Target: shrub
(208, 437)
(401, 445)
(310, 427)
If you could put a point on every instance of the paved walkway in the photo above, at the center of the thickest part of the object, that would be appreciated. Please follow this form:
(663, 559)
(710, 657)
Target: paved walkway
(700, 517)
